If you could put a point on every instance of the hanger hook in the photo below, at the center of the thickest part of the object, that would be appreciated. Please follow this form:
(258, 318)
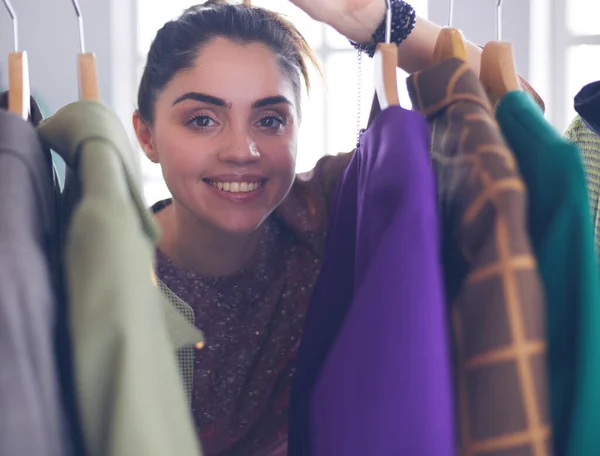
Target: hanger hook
(15, 24)
(450, 13)
(499, 20)
(80, 21)
(388, 22)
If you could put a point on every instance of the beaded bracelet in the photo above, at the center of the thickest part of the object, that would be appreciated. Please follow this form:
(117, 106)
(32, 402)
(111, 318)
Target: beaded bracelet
(403, 21)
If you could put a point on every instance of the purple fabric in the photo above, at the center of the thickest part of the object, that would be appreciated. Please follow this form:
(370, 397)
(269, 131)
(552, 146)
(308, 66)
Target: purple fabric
(330, 301)
(383, 386)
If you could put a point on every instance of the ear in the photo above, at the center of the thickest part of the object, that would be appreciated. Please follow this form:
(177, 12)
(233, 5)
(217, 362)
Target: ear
(143, 132)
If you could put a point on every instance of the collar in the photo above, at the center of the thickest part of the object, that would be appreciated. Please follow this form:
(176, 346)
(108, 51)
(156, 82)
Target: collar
(435, 89)
(19, 137)
(35, 113)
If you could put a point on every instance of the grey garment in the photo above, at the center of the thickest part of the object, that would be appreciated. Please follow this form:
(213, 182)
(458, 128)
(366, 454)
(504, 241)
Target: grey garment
(35, 113)
(35, 117)
(32, 420)
(130, 395)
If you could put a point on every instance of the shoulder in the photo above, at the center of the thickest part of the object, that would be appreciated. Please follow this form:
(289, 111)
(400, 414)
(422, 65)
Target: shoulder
(587, 142)
(326, 174)
(581, 134)
(306, 208)
(161, 210)
(575, 129)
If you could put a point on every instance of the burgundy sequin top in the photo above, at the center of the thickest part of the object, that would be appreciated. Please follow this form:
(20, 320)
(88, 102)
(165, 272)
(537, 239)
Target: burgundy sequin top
(253, 321)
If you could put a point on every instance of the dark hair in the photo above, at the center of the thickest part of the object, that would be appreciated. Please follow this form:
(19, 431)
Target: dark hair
(178, 43)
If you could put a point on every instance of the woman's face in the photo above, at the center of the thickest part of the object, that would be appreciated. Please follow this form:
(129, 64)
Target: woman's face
(225, 135)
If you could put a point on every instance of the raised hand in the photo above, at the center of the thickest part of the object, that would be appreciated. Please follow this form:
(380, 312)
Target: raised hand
(355, 19)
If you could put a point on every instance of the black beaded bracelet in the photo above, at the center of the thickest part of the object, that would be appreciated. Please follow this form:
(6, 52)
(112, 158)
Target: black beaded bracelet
(403, 21)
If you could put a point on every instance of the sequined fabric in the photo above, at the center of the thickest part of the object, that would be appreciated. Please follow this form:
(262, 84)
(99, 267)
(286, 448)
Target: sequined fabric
(253, 320)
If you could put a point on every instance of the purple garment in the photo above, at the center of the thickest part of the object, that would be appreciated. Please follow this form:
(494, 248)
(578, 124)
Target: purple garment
(329, 303)
(384, 383)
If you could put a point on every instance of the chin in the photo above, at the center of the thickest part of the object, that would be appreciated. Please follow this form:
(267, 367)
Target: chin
(240, 225)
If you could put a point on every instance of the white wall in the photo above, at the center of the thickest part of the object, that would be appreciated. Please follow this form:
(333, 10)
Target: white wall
(48, 31)
(477, 19)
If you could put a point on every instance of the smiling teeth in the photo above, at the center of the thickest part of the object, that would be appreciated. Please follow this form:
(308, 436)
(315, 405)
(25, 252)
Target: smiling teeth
(236, 187)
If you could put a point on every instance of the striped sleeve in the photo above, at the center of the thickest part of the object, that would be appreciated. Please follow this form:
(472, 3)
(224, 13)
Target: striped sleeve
(589, 145)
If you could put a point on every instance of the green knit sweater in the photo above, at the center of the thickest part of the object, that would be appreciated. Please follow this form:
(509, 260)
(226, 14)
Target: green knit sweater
(589, 144)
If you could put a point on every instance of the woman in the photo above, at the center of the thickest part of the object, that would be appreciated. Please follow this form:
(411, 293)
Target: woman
(243, 237)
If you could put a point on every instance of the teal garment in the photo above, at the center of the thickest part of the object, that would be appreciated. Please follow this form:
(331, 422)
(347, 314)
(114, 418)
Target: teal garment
(563, 241)
(124, 333)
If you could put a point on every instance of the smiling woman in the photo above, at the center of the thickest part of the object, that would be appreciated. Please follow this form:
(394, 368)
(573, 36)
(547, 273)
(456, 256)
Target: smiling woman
(209, 126)
(243, 236)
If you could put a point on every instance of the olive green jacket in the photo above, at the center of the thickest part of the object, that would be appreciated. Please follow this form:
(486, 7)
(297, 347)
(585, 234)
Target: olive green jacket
(124, 333)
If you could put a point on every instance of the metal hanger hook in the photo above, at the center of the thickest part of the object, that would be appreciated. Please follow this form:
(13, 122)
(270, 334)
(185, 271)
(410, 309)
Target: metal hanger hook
(388, 22)
(450, 13)
(80, 21)
(15, 24)
(499, 20)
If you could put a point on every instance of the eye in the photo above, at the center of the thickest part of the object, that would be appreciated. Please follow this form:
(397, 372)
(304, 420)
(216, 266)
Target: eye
(271, 122)
(201, 121)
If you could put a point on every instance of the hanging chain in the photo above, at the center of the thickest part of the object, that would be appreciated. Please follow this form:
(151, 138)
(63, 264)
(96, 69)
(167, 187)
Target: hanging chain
(359, 94)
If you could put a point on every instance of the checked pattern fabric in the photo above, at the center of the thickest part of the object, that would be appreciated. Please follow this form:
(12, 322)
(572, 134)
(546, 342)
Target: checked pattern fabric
(496, 301)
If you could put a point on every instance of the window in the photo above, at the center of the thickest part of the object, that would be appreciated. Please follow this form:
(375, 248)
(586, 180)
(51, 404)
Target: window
(576, 53)
(583, 67)
(582, 17)
(330, 114)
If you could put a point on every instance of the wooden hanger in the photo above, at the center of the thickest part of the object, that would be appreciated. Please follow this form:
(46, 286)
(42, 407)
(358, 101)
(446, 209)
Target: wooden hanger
(449, 44)
(87, 76)
(498, 74)
(247, 3)
(18, 72)
(18, 84)
(386, 84)
(386, 89)
(386, 64)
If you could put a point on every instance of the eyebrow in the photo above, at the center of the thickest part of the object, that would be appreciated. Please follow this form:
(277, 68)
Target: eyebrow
(270, 101)
(204, 98)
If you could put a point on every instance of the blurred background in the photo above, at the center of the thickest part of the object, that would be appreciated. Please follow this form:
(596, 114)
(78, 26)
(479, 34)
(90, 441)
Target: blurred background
(556, 43)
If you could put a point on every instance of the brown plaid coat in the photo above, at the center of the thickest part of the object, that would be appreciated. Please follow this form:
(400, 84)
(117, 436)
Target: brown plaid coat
(497, 305)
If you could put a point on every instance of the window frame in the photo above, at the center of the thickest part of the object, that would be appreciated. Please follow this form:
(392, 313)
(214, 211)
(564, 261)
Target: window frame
(562, 41)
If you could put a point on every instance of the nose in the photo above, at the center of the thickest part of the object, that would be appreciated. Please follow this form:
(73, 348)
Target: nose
(240, 149)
